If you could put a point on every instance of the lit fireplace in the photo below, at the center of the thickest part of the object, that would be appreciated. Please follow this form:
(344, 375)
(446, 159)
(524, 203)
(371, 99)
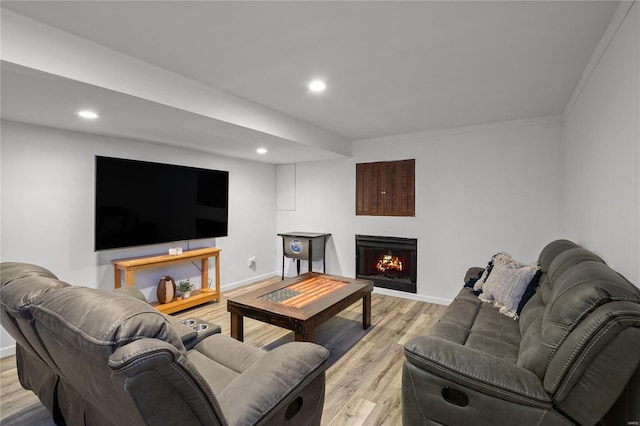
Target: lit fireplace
(390, 262)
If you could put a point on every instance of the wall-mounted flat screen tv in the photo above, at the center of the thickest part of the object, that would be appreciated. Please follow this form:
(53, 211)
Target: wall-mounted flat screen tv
(141, 203)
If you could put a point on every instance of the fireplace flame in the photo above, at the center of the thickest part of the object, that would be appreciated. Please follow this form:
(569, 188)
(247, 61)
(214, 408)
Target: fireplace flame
(389, 262)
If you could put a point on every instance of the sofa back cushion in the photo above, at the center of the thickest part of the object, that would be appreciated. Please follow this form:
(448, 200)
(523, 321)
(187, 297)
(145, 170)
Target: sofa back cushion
(577, 293)
(551, 251)
(581, 328)
(569, 258)
(558, 257)
(592, 326)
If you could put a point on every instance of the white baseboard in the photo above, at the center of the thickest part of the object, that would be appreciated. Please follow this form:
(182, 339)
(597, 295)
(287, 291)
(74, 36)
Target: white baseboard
(411, 296)
(251, 280)
(8, 351)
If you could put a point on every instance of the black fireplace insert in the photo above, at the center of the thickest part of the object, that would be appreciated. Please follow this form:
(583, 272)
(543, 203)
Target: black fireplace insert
(390, 262)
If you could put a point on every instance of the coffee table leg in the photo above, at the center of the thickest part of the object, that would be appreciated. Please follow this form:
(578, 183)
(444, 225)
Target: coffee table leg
(366, 311)
(304, 336)
(237, 326)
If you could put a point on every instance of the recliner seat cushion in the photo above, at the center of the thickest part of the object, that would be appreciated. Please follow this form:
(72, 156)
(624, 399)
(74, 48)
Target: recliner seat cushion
(221, 359)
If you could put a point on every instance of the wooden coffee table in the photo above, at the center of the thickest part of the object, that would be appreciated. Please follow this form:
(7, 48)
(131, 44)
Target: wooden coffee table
(300, 303)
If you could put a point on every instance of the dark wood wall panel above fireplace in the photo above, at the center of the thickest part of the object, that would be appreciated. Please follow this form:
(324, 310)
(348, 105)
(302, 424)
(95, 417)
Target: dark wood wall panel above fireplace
(386, 188)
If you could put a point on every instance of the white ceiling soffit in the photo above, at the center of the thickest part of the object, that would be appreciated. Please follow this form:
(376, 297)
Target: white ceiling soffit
(35, 97)
(391, 67)
(135, 88)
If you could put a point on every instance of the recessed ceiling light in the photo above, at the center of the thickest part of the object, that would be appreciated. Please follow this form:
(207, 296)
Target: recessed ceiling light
(261, 150)
(88, 114)
(317, 86)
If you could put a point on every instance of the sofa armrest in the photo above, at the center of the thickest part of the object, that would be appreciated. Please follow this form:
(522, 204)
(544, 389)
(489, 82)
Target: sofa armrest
(476, 370)
(275, 381)
(473, 274)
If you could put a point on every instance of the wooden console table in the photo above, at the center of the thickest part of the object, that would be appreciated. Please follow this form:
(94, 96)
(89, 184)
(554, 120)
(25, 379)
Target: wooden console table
(198, 297)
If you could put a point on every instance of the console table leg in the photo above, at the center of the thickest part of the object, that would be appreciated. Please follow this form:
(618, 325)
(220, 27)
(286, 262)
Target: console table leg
(237, 326)
(129, 278)
(218, 278)
(366, 311)
(204, 273)
(117, 276)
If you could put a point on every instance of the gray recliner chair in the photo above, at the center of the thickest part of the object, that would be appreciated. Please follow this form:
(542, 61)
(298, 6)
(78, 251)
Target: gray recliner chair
(108, 358)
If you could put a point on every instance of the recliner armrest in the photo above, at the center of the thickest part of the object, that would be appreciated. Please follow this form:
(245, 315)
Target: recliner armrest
(476, 370)
(189, 336)
(274, 382)
(166, 387)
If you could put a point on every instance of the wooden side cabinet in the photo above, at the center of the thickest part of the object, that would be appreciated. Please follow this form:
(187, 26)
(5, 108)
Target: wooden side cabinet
(386, 188)
(198, 297)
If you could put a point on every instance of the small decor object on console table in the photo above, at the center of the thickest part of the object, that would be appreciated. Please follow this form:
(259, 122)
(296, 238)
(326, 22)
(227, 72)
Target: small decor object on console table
(185, 288)
(166, 289)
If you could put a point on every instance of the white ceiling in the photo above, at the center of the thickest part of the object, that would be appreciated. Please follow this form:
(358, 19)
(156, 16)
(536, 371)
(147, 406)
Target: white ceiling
(391, 67)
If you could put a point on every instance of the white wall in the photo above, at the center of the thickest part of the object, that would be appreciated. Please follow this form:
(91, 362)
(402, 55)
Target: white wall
(479, 190)
(601, 149)
(324, 203)
(47, 208)
(601, 162)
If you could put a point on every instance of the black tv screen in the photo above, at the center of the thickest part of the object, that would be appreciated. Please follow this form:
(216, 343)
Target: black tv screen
(140, 203)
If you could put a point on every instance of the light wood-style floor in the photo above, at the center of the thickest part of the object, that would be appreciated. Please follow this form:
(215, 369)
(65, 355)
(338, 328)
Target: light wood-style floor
(365, 366)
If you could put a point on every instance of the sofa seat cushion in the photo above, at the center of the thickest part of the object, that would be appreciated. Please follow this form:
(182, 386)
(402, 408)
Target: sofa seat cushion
(532, 355)
(480, 326)
(476, 370)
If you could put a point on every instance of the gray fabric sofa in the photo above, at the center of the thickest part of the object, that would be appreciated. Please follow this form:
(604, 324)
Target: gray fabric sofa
(106, 358)
(564, 362)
